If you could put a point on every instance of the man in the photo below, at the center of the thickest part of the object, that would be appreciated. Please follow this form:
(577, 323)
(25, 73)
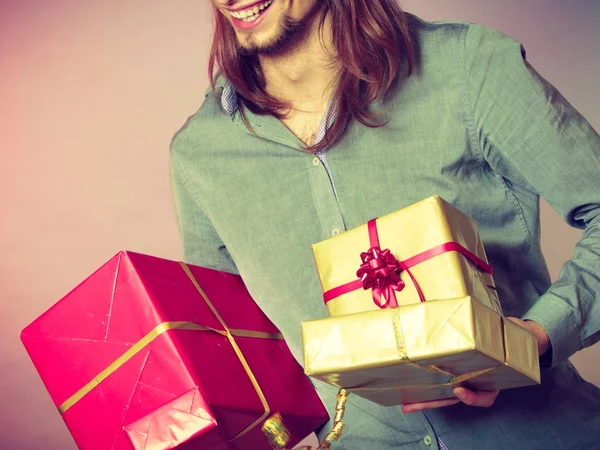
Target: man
(329, 113)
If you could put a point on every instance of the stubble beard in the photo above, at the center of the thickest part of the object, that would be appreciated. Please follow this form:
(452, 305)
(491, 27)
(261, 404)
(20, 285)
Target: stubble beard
(289, 33)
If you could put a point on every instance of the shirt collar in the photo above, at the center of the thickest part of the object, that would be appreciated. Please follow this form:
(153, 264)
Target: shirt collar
(229, 98)
(229, 103)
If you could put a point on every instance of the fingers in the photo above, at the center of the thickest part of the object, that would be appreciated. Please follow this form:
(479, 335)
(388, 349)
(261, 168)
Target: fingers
(414, 407)
(482, 399)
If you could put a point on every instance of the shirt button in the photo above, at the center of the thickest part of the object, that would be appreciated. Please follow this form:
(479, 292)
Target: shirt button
(335, 231)
(427, 440)
(316, 161)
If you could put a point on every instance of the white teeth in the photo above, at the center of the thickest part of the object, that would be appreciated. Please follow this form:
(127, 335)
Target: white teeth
(250, 14)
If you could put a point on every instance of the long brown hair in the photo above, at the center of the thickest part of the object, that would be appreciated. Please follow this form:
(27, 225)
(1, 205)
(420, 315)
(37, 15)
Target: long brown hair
(372, 41)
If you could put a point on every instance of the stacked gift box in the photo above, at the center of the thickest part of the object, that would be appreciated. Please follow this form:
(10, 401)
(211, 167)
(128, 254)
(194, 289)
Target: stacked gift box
(148, 353)
(414, 311)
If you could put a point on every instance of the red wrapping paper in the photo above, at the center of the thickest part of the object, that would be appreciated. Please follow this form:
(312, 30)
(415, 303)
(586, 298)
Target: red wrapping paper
(184, 388)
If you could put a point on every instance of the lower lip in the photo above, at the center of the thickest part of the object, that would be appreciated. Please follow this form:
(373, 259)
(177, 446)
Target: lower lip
(250, 24)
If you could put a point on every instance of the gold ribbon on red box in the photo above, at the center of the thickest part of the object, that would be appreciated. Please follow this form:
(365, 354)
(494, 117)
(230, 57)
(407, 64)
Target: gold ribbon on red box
(164, 327)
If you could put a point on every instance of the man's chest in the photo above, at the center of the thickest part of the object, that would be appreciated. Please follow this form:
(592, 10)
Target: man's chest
(304, 125)
(370, 172)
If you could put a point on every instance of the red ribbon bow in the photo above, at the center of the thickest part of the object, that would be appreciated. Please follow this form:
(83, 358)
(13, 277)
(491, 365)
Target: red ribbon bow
(380, 271)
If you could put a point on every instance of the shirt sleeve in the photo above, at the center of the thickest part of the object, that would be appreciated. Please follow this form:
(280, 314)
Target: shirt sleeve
(202, 245)
(533, 138)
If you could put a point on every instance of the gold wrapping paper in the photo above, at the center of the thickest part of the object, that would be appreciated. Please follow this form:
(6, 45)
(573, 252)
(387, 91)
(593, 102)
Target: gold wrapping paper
(408, 232)
(419, 352)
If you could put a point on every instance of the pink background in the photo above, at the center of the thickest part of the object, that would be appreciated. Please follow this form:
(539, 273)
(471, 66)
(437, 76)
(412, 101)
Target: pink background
(91, 93)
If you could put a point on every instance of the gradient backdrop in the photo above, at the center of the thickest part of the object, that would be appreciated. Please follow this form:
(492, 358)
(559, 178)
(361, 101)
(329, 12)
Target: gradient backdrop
(91, 93)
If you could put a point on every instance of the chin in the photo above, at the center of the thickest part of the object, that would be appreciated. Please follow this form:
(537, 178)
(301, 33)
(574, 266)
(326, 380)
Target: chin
(270, 42)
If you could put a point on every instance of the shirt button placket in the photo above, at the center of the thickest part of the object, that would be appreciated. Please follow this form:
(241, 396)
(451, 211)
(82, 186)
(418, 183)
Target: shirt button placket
(325, 199)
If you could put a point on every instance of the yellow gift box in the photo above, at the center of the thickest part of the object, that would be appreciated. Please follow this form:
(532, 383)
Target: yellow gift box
(430, 226)
(421, 351)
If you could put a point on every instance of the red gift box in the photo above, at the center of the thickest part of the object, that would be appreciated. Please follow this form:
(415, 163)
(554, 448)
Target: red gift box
(148, 353)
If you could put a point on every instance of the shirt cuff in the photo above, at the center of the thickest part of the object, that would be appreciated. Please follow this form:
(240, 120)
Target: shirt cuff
(561, 324)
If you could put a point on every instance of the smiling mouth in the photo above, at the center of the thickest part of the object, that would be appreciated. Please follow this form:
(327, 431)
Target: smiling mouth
(252, 13)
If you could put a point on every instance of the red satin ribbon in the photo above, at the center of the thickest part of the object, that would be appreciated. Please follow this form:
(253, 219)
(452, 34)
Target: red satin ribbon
(405, 265)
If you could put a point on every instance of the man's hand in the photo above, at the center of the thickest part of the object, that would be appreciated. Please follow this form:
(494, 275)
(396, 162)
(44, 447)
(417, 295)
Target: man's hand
(482, 398)
(467, 396)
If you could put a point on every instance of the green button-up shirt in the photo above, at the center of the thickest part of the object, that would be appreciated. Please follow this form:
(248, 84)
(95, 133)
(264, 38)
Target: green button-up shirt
(476, 125)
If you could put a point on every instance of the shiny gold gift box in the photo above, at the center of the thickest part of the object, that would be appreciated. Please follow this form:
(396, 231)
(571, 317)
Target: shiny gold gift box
(419, 352)
(406, 233)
